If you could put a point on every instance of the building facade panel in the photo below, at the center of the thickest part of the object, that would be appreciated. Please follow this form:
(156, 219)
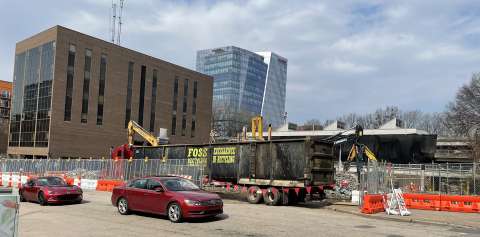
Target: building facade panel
(273, 104)
(104, 126)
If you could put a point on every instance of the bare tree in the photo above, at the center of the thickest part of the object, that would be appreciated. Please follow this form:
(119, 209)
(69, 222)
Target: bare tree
(312, 124)
(464, 113)
(434, 123)
(227, 121)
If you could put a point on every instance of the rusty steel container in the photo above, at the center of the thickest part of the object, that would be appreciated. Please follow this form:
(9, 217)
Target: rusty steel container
(282, 163)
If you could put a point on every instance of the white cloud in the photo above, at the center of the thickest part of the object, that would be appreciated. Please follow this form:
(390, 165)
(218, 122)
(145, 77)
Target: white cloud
(397, 12)
(342, 66)
(442, 52)
(374, 42)
(405, 53)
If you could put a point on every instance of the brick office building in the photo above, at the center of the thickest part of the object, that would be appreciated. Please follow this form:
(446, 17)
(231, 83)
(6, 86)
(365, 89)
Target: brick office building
(5, 103)
(74, 95)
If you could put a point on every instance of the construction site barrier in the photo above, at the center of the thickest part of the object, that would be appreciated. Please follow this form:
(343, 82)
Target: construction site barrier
(12, 180)
(453, 203)
(108, 185)
(422, 201)
(373, 203)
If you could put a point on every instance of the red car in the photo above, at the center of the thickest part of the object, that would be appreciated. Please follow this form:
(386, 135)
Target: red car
(45, 190)
(176, 197)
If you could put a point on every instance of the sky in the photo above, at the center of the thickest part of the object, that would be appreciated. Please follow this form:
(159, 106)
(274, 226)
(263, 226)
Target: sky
(343, 56)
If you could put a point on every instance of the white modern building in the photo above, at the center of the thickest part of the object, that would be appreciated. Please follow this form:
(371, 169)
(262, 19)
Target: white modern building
(274, 94)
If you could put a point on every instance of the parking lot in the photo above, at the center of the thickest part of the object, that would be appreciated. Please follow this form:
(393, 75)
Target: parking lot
(97, 217)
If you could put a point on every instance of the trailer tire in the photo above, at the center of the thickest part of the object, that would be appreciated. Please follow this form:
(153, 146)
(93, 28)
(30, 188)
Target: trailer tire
(254, 195)
(273, 197)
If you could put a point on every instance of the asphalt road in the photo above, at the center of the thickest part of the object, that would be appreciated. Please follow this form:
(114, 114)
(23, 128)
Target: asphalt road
(97, 217)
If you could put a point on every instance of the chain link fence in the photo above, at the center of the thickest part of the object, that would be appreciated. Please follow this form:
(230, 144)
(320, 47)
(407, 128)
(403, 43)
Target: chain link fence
(442, 179)
(451, 179)
(436, 178)
(103, 168)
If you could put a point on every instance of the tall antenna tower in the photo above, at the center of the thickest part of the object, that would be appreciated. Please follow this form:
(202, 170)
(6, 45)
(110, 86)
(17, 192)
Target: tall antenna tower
(120, 22)
(113, 20)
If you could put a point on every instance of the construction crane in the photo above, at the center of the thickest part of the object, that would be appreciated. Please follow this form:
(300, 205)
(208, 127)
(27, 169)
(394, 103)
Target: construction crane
(133, 127)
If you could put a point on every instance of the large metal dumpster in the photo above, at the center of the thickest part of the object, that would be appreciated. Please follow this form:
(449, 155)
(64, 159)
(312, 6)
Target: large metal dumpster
(279, 163)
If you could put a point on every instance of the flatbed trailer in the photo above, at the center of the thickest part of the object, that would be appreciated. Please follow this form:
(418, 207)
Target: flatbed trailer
(277, 171)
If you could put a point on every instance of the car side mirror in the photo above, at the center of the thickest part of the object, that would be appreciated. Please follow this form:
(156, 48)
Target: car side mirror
(158, 189)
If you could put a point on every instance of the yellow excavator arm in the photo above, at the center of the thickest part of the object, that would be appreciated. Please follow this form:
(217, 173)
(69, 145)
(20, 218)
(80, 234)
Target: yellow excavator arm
(370, 154)
(354, 152)
(134, 127)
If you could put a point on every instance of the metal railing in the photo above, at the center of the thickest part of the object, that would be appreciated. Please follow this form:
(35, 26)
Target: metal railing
(103, 168)
(442, 179)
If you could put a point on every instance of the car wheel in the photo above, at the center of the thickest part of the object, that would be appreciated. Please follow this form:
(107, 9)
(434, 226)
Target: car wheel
(174, 213)
(123, 206)
(272, 197)
(254, 195)
(41, 199)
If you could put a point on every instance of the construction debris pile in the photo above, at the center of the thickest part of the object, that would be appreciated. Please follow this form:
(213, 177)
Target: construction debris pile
(345, 183)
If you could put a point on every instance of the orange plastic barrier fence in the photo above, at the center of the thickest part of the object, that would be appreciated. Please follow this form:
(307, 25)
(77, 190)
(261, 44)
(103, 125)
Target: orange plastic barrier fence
(372, 203)
(102, 185)
(451, 203)
(108, 185)
(422, 201)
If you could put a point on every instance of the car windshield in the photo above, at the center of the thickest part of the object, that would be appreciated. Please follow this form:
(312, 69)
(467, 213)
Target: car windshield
(180, 185)
(51, 181)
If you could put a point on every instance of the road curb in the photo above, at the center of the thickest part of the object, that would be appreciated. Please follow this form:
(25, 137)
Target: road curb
(409, 220)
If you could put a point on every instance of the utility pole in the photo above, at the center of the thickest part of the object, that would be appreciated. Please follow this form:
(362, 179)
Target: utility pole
(113, 20)
(120, 22)
(116, 33)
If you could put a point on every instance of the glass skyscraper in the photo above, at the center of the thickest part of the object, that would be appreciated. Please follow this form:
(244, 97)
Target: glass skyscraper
(273, 105)
(238, 88)
(30, 116)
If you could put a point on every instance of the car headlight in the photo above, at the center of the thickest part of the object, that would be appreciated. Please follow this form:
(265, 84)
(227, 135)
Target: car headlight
(193, 203)
(77, 189)
(50, 192)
